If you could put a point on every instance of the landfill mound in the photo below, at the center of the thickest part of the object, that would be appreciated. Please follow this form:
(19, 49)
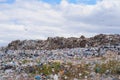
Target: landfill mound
(61, 42)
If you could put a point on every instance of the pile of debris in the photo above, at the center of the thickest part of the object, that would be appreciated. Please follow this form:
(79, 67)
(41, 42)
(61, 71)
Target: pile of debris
(61, 42)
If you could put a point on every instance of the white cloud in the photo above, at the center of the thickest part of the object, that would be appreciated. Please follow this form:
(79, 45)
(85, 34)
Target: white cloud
(33, 19)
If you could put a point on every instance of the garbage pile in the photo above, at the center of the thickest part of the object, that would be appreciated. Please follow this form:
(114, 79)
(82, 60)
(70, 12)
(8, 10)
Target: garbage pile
(91, 63)
(61, 42)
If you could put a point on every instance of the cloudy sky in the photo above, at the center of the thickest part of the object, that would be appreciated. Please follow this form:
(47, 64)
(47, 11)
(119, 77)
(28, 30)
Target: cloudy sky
(39, 19)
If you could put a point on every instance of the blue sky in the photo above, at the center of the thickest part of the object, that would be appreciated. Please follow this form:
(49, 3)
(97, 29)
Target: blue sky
(39, 19)
(6, 1)
(90, 2)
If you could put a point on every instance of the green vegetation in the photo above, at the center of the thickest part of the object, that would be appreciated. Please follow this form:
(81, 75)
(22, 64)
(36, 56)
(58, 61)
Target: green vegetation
(112, 67)
(73, 71)
(25, 61)
(45, 69)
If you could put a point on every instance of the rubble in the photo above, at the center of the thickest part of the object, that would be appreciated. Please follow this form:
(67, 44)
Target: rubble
(95, 58)
(61, 42)
(74, 64)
